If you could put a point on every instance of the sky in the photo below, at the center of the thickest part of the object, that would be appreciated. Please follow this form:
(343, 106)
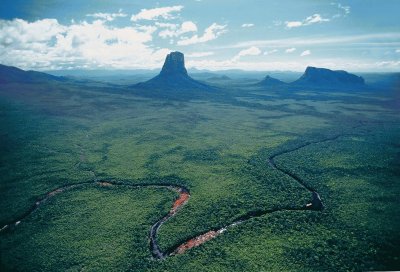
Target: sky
(255, 35)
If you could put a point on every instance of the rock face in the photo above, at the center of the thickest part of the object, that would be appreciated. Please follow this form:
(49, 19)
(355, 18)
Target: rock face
(320, 77)
(316, 203)
(174, 64)
(271, 82)
(173, 76)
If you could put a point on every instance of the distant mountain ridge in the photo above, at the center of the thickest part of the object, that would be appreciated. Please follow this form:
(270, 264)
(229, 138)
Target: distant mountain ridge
(219, 78)
(10, 74)
(173, 75)
(318, 78)
(269, 81)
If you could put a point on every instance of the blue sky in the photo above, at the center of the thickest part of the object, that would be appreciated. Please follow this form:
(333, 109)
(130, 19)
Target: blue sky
(359, 35)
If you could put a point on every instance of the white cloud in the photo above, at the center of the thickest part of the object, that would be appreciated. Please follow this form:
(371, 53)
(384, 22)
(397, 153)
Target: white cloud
(290, 50)
(247, 25)
(298, 65)
(47, 44)
(215, 65)
(188, 26)
(199, 54)
(313, 19)
(210, 33)
(316, 18)
(251, 51)
(107, 16)
(384, 39)
(155, 13)
(345, 10)
(166, 25)
(270, 52)
(175, 30)
(389, 64)
(293, 24)
(305, 53)
(19, 32)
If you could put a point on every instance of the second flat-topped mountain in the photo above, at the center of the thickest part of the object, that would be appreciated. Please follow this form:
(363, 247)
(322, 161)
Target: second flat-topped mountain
(318, 78)
(322, 77)
(173, 75)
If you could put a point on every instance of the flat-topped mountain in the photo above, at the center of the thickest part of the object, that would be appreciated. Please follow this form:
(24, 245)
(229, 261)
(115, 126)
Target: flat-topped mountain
(174, 65)
(9, 74)
(173, 75)
(271, 82)
(321, 77)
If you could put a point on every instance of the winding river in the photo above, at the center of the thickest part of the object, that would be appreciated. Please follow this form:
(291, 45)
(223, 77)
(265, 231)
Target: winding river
(184, 195)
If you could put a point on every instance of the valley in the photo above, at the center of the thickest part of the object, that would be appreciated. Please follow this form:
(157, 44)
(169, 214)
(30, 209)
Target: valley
(97, 177)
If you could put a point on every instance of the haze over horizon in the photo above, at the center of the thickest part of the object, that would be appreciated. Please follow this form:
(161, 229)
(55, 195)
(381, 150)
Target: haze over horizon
(248, 35)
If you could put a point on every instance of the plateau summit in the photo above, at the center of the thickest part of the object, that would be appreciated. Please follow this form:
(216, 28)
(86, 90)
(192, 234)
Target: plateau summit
(173, 75)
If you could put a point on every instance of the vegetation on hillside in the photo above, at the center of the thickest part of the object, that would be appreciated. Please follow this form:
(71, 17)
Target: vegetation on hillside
(215, 145)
